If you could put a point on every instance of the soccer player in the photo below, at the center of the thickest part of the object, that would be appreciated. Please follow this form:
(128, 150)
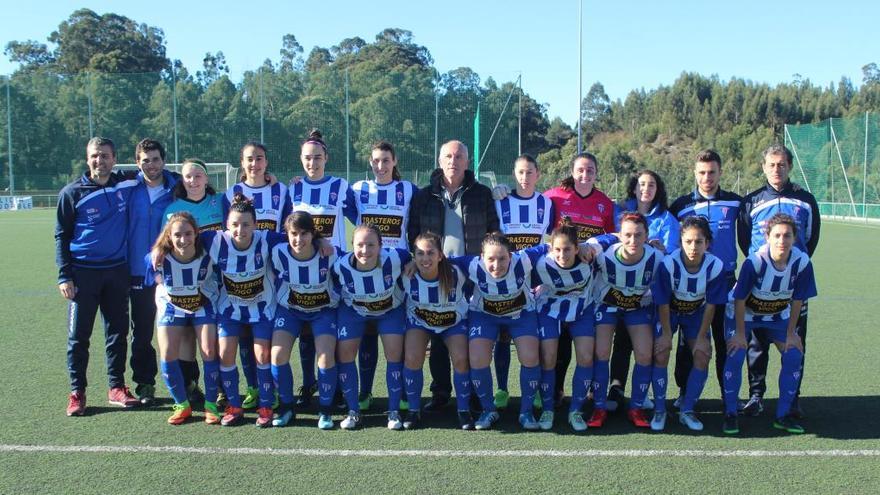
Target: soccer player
(330, 201)
(369, 286)
(525, 216)
(687, 288)
(627, 269)
(92, 272)
(383, 202)
(592, 212)
(646, 194)
(565, 300)
(436, 303)
(269, 202)
(774, 283)
(305, 293)
(502, 299)
(779, 195)
(185, 285)
(721, 209)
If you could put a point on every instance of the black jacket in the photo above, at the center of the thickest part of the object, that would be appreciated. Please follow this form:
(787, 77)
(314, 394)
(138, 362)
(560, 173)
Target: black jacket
(427, 211)
(760, 205)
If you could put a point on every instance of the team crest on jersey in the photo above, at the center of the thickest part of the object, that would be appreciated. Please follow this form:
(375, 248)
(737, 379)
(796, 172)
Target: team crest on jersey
(724, 210)
(540, 212)
(258, 258)
(519, 281)
(484, 286)
(388, 280)
(333, 197)
(119, 195)
(350, 287)
(399, 195)
(601, 208)
(203, 272)
(323, 272)
(648, 273)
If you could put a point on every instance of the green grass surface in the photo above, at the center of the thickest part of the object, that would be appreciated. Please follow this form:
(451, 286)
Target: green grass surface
(840, 396)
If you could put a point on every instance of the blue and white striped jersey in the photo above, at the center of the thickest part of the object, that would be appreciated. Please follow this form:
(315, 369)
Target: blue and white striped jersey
(509, 295)
(768, 292)
(687, 292)
(568, 291)
(623, 286)
(373, 292)
(387, 207)
(190, 288)
(328, 200)
(524, 221)
(426, 305)
(269, 203)
(247, 292)
(305, 286)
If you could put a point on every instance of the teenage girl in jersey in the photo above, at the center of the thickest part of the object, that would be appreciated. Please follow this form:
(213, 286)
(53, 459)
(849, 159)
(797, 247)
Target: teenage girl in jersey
(186, 285)
(269, 206)
(525, 216)
(687, 288)
(627, 269)
(368, 279)
(305, 293)
(436, 303)
(773, 285)
(330, 201)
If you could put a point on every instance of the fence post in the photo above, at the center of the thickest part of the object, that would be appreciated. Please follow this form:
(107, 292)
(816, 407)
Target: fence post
(89, 97)
(347, 132)
(174, 112)
(262, 128)
(9, 135)
(865, 174)
(436, 122)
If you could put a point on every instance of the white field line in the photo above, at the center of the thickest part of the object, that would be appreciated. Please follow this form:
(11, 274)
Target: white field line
(146, 449)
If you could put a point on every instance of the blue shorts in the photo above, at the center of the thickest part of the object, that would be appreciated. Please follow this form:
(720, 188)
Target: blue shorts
(322, 322)
(777, 330)
(551, 328)
(351, 325)
(261, 330)
(460, 328)
(173, 317)
(483, 326)
(689, 324)
(610, 315)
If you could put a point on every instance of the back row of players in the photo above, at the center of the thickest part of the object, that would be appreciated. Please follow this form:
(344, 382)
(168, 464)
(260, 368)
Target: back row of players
(256, 283)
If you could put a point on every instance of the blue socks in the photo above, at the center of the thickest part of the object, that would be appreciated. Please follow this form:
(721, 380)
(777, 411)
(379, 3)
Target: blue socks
(248, 361)
(548, 387)
(307, 359)
(348, 380)
(789, 378)
(414, 381)
(733, 380)
(580, 384)
(463, 388)
(394, 379)
(283, 376)
(502, 363)
(327, 378)
(696, 382)
(600, 384)
(212, 379)
(229, 377)
(659, 383)
(266, 384)
(529, 379)
(482, 381)
(641, 380)
(368, 356)
(173, 377)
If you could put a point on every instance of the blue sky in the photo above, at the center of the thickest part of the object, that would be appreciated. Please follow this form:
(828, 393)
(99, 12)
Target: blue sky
(627, 44)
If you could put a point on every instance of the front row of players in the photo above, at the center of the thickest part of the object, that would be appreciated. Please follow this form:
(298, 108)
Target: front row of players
(224, 283)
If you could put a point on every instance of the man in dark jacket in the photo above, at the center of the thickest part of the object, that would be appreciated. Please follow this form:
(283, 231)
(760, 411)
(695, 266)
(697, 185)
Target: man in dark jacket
(461, 210)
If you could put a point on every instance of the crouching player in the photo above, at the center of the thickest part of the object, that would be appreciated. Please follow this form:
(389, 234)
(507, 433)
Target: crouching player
(436, 304)
(773, 285)
(690, 283)
(186, 283)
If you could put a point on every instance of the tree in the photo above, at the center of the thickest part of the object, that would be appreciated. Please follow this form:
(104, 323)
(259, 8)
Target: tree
(558, 133)
(214, 67)
(291, 54)
(596, 112)
(318, 59)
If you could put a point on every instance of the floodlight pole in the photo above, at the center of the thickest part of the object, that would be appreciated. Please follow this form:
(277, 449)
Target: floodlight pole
(174, 111)
(864, 173)
(580, 71)
(9, 135)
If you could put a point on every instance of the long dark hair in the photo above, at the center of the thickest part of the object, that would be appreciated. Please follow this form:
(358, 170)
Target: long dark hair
(444, 267)
(383, 145)
(568, 182)
(660, 198)
(303, 220)
(242, 204)
(255, 144)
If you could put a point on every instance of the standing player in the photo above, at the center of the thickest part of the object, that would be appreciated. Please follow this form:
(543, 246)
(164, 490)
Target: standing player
(721, 209)
(185, 285)
(92, 271)
(330, 201)
(525, 216)
(436, 303)
(370, 290)
(687, 288)
(592, 212)
(774, 283)
(627, 270)
(305, 293)
(779, 195)
(269, 205)
(383, 202)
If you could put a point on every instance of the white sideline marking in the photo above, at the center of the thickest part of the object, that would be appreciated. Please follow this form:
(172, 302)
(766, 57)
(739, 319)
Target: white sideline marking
(146, 449)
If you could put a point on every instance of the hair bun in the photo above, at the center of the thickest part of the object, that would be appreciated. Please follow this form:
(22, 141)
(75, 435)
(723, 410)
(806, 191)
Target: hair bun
(316, 135)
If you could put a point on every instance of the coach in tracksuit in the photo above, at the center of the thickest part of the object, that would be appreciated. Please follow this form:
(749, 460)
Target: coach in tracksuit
(149, 198)
(779, 195)
(90, 250)
(721, 208)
